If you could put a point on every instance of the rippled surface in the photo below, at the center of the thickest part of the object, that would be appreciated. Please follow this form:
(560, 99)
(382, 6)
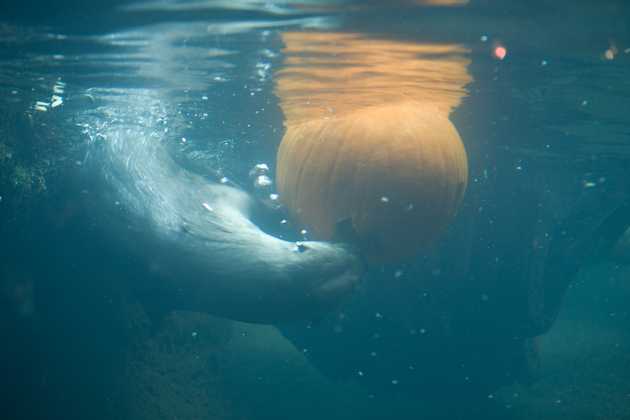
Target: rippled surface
(539, 93)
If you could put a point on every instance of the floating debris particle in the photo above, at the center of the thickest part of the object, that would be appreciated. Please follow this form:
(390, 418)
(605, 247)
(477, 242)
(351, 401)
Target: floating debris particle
(610, 53)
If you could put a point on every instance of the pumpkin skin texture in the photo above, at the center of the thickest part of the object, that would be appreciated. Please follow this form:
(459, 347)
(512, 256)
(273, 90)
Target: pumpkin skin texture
(397, 171)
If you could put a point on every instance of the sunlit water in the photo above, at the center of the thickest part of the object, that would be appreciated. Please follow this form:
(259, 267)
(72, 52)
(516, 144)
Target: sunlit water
(539, 93)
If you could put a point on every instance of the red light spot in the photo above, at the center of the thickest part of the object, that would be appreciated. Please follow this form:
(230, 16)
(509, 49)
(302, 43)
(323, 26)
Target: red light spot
(499, 52)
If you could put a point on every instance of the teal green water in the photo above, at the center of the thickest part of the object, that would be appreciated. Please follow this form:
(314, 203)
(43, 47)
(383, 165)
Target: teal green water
(519, 312)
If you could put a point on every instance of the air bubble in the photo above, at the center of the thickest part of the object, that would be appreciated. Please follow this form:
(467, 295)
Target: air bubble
(263, 181)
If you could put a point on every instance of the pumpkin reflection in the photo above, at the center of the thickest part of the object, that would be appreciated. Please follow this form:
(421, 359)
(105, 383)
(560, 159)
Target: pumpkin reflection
(368, 139)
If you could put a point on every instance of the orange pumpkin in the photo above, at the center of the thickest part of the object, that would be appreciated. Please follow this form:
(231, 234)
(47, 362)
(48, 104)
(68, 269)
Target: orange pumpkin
(368, 140)
(397, 171)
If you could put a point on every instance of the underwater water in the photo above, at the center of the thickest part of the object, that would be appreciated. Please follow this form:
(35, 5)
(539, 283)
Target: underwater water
(135, 283)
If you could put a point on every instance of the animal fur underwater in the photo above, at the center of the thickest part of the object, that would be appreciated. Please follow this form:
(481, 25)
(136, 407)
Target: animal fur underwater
(197, 235)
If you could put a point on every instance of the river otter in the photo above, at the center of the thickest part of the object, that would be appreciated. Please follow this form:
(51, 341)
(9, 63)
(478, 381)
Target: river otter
(198, 235)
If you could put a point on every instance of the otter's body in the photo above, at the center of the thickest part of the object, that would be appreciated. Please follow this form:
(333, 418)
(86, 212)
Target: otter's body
(196, 237)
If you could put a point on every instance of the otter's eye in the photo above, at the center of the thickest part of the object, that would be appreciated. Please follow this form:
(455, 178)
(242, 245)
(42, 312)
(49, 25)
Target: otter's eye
(300, 247)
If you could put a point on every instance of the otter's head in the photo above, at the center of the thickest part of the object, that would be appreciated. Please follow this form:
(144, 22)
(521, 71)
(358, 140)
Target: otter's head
(306, 279)
(336, 267)
(224, 264)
